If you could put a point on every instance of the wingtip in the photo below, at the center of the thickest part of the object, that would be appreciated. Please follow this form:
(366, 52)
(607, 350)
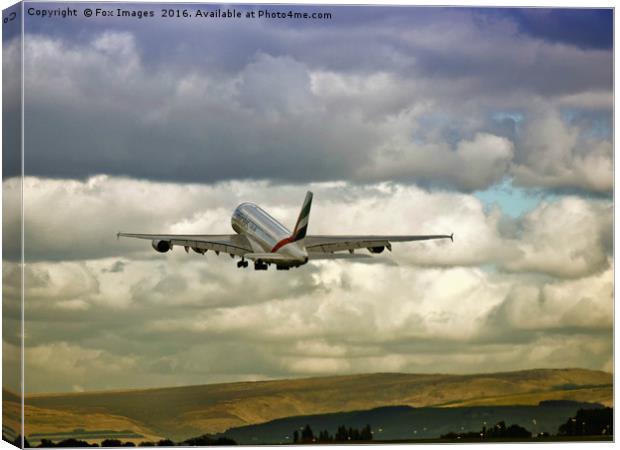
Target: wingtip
(452, 237)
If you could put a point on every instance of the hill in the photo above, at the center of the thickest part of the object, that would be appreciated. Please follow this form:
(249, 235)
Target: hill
(181, 412)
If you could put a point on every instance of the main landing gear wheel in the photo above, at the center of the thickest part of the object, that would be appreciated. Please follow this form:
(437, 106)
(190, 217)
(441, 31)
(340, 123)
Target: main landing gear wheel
(243, 263)
(259, 265)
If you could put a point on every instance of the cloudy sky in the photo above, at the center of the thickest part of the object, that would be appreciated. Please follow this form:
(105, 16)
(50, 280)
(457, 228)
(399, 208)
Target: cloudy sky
(494, 124)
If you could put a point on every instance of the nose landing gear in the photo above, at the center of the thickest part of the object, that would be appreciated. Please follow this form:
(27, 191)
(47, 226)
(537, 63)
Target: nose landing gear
(243, 263)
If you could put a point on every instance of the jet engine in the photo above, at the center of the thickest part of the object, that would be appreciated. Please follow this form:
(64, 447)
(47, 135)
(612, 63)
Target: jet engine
(376, 249)
(161, 246)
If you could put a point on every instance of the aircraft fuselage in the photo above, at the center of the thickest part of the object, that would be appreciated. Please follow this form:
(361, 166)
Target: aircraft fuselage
(266, 234)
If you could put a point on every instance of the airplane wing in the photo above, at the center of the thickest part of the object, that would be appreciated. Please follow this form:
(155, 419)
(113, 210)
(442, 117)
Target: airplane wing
(234, 244)
(330, 244)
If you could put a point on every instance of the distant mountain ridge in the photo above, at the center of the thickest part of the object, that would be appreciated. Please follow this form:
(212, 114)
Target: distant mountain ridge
(181, 412)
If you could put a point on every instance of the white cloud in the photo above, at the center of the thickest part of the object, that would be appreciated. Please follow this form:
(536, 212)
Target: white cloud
(567, 238)
(61, 365)
(474, 164)
(585, 303)
(570, 237)
(557, 155)
(500, 294)
(594, 100)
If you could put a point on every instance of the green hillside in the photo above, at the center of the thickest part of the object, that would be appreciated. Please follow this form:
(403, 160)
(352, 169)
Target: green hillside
(181, 412)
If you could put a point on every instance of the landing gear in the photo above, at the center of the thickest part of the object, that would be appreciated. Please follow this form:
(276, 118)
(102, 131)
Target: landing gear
(259, 265)
(282, 267)
(243, 263)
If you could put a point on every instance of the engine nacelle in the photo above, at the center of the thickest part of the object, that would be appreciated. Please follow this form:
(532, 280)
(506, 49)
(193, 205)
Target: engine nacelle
(161, 246)
(376, 249)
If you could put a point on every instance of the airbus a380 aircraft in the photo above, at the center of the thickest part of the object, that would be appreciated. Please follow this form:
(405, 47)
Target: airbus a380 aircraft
(264, 240)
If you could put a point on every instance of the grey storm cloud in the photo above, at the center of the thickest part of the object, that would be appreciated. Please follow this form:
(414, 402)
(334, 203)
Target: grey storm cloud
(402, 103)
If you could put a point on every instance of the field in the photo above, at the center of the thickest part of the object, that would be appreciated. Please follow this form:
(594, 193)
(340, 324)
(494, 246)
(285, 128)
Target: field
(181, 412)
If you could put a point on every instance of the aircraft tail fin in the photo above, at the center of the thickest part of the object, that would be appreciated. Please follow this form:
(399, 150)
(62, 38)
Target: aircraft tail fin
(302, 221)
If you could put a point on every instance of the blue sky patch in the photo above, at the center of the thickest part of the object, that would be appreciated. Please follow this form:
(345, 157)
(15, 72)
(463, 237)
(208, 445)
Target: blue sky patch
(513, 201)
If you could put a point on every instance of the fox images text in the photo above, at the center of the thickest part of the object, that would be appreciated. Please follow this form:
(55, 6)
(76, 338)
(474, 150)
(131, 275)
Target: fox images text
(265, 241)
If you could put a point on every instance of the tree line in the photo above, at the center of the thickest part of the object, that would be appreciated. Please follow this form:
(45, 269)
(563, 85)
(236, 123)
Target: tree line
(587, 422)
(500, 430)
(343, 434)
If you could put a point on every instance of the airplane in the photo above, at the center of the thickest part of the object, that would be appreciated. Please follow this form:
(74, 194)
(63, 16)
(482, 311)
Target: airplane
(265, 241)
